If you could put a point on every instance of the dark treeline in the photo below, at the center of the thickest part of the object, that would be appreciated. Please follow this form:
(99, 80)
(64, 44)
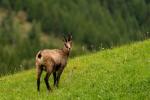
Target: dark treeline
(93, 23)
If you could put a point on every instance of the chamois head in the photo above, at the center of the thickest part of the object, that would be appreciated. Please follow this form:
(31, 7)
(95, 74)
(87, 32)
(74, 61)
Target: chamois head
(68, 43)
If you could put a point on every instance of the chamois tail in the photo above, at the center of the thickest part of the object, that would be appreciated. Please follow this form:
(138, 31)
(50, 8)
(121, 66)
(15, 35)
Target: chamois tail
(40, 57)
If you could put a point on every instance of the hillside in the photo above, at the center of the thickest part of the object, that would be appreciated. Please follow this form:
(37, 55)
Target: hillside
(29, 25)
(120, 73)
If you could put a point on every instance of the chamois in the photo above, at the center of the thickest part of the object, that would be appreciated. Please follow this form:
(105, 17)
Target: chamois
(52, 61)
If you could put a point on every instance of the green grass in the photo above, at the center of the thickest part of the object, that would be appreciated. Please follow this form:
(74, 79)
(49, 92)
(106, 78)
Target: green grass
(121, 73)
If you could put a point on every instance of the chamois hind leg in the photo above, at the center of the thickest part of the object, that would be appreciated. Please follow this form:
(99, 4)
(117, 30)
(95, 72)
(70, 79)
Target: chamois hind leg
(39, 72)
(49, 71)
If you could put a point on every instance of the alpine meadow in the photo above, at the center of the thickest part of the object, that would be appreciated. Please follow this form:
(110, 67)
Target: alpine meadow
(120, 73)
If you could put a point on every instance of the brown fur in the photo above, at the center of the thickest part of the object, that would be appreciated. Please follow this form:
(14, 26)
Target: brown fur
(52, 61)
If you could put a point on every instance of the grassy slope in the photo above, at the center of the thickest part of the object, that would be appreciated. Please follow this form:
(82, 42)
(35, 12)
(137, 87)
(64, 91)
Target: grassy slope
(121, 73)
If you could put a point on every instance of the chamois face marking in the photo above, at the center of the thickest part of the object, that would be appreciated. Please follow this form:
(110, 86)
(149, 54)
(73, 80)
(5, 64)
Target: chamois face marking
(68, 45)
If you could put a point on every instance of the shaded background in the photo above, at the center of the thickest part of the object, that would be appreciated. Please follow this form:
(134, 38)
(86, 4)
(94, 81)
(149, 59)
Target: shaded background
(27, 26)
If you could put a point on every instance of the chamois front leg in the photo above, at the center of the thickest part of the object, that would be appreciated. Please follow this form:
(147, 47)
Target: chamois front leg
(54, 76)
(46, 81)
(58, 76)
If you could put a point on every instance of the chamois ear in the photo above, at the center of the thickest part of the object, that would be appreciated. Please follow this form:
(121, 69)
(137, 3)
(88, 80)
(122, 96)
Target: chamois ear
(69, 37)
